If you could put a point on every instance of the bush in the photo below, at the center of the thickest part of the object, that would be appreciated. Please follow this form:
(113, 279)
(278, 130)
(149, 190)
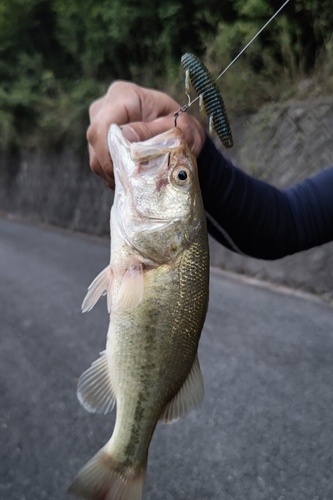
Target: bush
(56, 56)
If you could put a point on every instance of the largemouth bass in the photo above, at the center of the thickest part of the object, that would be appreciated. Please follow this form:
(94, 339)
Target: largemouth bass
(157, 296)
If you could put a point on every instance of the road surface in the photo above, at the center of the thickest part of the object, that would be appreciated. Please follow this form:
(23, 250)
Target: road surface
(264, 431)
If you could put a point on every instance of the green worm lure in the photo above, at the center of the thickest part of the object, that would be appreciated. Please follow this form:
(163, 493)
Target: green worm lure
(210, 99)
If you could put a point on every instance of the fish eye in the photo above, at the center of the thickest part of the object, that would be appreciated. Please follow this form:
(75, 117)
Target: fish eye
(182, 176)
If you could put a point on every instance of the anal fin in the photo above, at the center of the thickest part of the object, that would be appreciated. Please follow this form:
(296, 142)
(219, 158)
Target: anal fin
(188, 398)
(94, 389)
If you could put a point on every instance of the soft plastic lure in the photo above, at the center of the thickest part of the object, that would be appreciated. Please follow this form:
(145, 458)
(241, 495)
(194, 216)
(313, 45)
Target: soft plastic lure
(210, 99)
(209, 96)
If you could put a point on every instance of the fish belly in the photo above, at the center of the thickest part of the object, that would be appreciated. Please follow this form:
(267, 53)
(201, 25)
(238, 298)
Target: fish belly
(151, 350)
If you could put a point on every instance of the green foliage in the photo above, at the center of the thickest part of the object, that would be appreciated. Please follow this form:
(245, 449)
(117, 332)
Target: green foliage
(56, 56)
(282, 56)
(121, 37)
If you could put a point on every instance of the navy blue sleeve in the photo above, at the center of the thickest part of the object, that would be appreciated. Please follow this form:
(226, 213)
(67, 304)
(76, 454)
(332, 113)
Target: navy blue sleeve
(254, 218)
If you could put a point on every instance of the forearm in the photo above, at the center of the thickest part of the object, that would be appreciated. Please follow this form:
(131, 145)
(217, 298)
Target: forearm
(254, 218)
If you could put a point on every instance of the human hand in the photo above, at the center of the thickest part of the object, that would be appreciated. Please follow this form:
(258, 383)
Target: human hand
(143, 113)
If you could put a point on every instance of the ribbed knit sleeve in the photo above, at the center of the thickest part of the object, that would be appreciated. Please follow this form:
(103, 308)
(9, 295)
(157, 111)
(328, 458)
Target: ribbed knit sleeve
(252, 217)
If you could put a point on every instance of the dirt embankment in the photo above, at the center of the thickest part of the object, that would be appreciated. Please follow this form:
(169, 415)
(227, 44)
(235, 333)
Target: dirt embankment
(57, 188)
(281, 144)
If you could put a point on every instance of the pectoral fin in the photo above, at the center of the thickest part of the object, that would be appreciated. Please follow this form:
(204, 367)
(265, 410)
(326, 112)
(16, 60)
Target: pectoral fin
(188, 398)
(100, 286)
(94, 389)
(131, 289)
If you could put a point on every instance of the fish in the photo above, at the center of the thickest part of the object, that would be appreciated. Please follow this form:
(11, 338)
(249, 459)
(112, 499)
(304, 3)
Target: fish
(156, 287)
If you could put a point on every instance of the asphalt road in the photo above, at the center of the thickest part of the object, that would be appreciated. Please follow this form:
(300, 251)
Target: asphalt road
(264, 431)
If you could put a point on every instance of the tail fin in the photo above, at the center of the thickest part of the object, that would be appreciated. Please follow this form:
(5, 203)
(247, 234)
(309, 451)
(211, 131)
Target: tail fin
(104, 479)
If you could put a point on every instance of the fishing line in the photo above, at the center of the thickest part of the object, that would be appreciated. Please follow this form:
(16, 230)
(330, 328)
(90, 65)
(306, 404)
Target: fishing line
(189, 103)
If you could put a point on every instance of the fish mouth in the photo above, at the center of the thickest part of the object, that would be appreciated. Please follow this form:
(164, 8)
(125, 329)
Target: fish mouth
(119, 148)
(141, 158)
(116, 138)
(130, 153)
(157, 146)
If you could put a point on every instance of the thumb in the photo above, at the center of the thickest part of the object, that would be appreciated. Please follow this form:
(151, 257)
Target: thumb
(142, 131)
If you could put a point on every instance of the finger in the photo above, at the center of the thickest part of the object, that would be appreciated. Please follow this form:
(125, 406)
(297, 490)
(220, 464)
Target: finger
(102, 112)
(111, 109)
(95, 106)
(98, 148)
(156, 104)
(111, 184)
(97, 168)
(193, 132)
(125, 103)
(142, 131)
